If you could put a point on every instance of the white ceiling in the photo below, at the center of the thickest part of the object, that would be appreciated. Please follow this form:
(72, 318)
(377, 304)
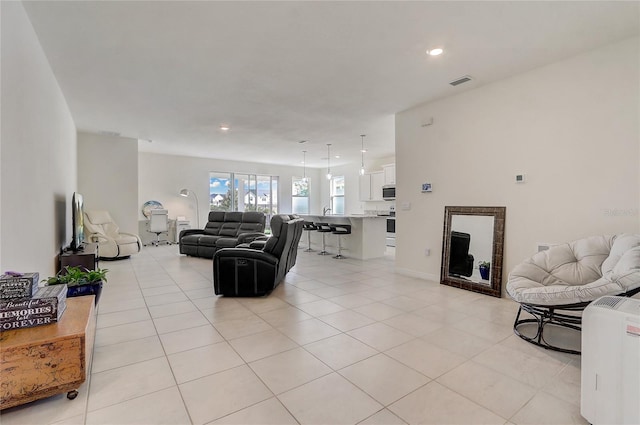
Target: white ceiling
(282, 72)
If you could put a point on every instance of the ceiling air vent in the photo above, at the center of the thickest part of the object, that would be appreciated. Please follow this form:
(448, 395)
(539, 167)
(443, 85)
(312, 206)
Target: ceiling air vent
(460, 80)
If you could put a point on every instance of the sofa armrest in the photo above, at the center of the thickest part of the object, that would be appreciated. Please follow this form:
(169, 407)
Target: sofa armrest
(135, 236)
(258, 244)
(187, 232)
(250, 237)
(245, 253)
(108, 247)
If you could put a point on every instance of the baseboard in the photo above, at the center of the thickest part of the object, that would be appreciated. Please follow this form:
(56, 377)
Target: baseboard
(419, 275)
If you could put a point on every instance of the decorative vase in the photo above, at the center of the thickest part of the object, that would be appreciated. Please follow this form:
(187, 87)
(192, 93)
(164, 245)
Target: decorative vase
(484, 272)
(88, 289)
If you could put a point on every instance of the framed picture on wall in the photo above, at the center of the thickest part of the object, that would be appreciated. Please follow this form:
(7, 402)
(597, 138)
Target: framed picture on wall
(426, 187)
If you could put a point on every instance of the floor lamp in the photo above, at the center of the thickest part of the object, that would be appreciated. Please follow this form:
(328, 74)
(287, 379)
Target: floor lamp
(185, 193)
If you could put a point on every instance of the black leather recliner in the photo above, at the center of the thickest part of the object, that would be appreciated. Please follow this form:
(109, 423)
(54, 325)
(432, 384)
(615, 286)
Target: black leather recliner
(460, 261)
(255, 272)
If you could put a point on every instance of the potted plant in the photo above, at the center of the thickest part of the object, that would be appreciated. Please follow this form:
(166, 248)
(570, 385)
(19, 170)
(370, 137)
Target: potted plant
(484, 267)
(80, 281)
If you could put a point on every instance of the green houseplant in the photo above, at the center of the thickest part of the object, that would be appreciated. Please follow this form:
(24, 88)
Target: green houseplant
(80, 281)
(484, 267)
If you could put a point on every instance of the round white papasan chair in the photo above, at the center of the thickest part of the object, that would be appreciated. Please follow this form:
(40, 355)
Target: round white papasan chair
(555, 285)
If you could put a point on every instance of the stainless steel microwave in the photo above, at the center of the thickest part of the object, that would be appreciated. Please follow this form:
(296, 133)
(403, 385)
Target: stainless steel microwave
(389, 192)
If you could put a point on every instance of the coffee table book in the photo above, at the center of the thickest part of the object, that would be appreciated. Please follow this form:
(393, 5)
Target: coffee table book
(44, 308)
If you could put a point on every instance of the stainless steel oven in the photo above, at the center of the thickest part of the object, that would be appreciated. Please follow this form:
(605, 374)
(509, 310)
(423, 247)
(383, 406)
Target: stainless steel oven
(391, 230)
(391, 226)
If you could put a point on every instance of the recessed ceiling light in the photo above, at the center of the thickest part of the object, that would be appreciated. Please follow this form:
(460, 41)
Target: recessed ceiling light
(225, 127)
(435, 52)
(338, 156)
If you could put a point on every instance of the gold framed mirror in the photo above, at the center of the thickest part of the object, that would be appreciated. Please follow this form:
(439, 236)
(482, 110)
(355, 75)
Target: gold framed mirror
(472, 247)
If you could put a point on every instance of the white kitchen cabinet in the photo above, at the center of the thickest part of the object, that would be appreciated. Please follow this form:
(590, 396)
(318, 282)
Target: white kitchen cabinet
(389, 171)
(371, 186)
(365, 187)
(377, 181)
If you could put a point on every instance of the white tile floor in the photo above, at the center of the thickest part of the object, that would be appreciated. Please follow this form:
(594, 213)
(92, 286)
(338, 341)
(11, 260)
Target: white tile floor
(339, 342)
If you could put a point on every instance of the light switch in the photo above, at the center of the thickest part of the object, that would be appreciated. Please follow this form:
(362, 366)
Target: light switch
(406, 206)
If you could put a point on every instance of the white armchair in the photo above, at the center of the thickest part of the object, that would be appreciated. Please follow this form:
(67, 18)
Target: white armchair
(100, 228)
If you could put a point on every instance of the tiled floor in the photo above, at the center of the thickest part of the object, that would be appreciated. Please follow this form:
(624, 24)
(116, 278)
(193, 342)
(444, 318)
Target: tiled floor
(339, 342)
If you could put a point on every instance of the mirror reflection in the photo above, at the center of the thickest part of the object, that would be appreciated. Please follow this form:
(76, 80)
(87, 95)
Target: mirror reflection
(472, 248)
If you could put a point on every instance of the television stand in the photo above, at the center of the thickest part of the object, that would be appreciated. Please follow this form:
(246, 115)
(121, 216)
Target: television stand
(87, 258)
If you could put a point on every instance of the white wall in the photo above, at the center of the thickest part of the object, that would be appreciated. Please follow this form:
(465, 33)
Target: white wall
(108, 177)
(571, 127)
(162, 176)
(38, 152)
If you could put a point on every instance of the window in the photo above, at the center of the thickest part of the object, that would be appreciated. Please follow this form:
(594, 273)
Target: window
(243, 192)
(246, 192)
(300, 196)
(220, 198)
(337, 195)
(267, 194)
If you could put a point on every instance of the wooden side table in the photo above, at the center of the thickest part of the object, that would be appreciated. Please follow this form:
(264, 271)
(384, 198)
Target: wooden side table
(47, 360)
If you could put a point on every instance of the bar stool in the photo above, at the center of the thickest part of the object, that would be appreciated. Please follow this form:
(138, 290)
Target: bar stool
(339, 230)
(323, 228)
(308, 227)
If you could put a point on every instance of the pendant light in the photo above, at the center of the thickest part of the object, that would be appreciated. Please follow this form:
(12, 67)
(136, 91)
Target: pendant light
(304, 166)
(362, 151)
(328, 161)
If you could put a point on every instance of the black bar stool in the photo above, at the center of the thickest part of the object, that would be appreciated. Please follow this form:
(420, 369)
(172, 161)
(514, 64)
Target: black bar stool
(339, 230)
(308, 226)
(323, 228)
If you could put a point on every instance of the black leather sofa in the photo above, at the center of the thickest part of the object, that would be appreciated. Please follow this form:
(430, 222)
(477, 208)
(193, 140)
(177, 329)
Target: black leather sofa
(223, 230)
(247, 271)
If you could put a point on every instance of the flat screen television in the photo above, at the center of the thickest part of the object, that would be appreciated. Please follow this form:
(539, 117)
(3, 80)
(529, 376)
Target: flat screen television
(77, 222)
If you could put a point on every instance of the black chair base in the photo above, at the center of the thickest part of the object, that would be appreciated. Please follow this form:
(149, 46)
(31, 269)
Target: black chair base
(558, 315)
(549, 315)
(308, 227)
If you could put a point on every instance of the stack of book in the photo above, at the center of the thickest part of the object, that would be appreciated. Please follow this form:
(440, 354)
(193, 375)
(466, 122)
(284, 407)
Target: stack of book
(24, 305)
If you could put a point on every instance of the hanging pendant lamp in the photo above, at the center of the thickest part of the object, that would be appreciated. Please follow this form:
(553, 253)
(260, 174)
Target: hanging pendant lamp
(328, 161)
(362, 151)
(304, 166)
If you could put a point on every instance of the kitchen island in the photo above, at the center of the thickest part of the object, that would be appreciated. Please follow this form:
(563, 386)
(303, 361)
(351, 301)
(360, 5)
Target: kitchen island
(367, 239)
